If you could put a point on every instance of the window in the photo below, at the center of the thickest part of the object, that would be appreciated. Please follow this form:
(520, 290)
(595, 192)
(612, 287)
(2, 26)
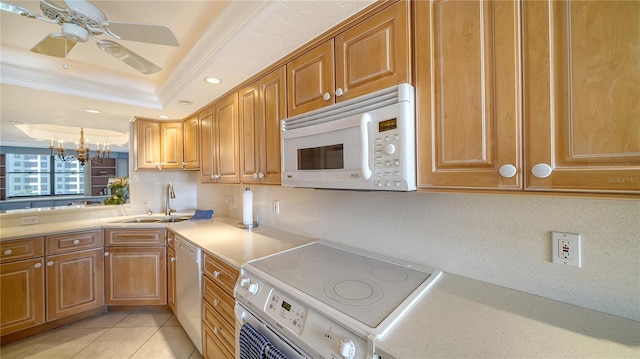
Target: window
(42, 175)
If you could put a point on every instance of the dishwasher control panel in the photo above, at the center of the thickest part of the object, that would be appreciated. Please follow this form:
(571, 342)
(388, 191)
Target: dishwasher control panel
(287, 311)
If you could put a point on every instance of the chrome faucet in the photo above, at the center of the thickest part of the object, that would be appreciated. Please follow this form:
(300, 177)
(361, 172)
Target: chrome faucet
(169, 193)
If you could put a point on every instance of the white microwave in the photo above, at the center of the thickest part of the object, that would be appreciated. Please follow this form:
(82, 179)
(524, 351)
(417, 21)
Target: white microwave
(366, 143)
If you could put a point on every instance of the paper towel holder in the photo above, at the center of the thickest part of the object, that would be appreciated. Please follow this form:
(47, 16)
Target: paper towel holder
(247, 226)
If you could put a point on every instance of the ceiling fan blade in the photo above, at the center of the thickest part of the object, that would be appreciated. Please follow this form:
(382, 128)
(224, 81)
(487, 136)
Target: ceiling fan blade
(4, 6)
(153, 34)
(128, 57)
(54, 45)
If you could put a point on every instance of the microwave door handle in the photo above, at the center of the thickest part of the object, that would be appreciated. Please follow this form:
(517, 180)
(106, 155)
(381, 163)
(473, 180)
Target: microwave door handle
(364, 152)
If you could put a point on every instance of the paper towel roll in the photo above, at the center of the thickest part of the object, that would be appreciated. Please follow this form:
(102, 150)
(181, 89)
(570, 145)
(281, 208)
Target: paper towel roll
(247, 207)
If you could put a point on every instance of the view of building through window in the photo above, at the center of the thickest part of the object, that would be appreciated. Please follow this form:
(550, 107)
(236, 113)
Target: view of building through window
(42, 175)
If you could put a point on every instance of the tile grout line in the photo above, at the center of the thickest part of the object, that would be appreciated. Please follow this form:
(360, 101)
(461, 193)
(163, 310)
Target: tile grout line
(103, 334)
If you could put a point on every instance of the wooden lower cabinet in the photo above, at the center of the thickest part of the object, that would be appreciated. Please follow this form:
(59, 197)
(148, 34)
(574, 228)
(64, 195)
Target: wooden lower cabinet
(75, 282)
(171, 280)
(136, 275)
(218, 320)
(22, 295)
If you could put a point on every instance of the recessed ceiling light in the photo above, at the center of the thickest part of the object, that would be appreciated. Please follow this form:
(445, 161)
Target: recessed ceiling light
(213, 80)
(185, 102)
(164, 117)
(91, 111)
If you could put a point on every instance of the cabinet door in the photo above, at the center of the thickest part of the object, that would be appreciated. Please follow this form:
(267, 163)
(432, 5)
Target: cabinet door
(374, 54)
(191, 132)
(207, 148)
(21, 295)
(171, 280)
(250, 121)
(75, 283)
(226, 140)
(147, 144)
(311, 80)
(212, 347)
(136, 276)
(171, 145)
(468, 93)
(273, 108)
(582, 84)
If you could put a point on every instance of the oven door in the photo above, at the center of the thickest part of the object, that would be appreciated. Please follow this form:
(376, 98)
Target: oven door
(245, 316)
(336, 154)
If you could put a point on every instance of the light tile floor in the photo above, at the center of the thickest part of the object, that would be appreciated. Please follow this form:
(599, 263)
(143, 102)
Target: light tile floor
(118, 335)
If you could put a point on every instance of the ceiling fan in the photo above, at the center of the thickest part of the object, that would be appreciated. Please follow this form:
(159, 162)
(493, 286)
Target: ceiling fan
(80, 20)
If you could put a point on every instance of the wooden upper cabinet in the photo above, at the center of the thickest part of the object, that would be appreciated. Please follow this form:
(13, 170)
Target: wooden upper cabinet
(146, 144)
(311, 80)
(582, 85)
(468, 93)
(191, 134)
(171, 145)
(262, 106)
(371, 55)
(220, 141)
(374, 54)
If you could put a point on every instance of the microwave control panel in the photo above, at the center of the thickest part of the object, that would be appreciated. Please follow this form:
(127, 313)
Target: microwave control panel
(388, 166)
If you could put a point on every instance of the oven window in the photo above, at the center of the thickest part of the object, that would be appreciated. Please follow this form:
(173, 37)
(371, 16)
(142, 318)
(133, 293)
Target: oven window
(321, 158)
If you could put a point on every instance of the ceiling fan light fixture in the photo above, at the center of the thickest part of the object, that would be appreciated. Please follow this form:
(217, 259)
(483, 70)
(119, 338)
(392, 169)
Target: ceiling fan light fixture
(74, 32)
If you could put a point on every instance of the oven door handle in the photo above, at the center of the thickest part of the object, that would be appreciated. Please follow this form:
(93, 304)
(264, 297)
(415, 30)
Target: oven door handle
(364, 151)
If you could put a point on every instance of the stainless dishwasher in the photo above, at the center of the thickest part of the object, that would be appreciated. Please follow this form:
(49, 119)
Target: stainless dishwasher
(188, 289)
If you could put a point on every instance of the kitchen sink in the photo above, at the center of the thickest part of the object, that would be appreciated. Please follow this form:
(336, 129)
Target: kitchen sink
(155, 219)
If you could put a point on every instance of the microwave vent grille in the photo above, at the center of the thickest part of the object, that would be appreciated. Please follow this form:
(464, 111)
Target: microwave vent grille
(356, 106)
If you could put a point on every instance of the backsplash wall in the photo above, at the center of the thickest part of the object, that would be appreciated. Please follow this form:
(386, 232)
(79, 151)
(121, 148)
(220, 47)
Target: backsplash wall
(501, 239)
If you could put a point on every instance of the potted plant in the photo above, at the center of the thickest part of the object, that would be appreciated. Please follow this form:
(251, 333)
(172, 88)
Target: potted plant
(119, 187)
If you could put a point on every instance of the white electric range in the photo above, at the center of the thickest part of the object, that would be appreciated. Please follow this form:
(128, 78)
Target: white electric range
(324, 300)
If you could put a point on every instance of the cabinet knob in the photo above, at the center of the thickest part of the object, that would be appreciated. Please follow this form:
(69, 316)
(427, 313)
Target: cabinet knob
(339, 92)
(216, 330)
(216, 302)
(507, 171)
(255, 176)
(169, 239)
(326, 96)
(37, 265)
(260, 175)
(76, 242)
(49, 263)
(184, 164)
(106, 254)
(216, 274)
(173, 259)
(541, 170)
(8, 252)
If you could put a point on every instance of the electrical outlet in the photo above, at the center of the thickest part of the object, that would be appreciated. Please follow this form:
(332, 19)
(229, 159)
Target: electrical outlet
(276, 207)
(566, 249)
(29, 220)
(228, 200)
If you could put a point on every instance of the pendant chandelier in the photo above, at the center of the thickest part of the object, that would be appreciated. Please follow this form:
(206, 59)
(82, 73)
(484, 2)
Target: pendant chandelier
(82, 151)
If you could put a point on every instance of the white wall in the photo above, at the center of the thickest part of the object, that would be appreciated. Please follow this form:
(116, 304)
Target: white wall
(151, 185)
(501, 239)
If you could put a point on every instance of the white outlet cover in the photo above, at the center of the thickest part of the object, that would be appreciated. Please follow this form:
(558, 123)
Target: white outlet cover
(573, 255)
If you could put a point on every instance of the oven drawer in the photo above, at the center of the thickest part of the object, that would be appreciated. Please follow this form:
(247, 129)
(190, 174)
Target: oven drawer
(211, 347)
(71, 242)
(21, 249)
(218, 299)
(219, 272)
(222, 332)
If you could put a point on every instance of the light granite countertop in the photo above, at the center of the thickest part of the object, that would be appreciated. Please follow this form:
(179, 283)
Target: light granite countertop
(457, 317)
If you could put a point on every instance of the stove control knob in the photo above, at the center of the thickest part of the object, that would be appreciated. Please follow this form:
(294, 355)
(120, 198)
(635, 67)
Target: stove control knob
(347, 348)
(244, 282)
(253, 288)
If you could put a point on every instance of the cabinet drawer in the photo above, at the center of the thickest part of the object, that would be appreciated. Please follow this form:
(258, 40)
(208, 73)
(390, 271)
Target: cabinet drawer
(220, 301)
(219, 272)
(71, 242)
(136, 237)
(211, 346)
(21, 249)
(223, 332)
